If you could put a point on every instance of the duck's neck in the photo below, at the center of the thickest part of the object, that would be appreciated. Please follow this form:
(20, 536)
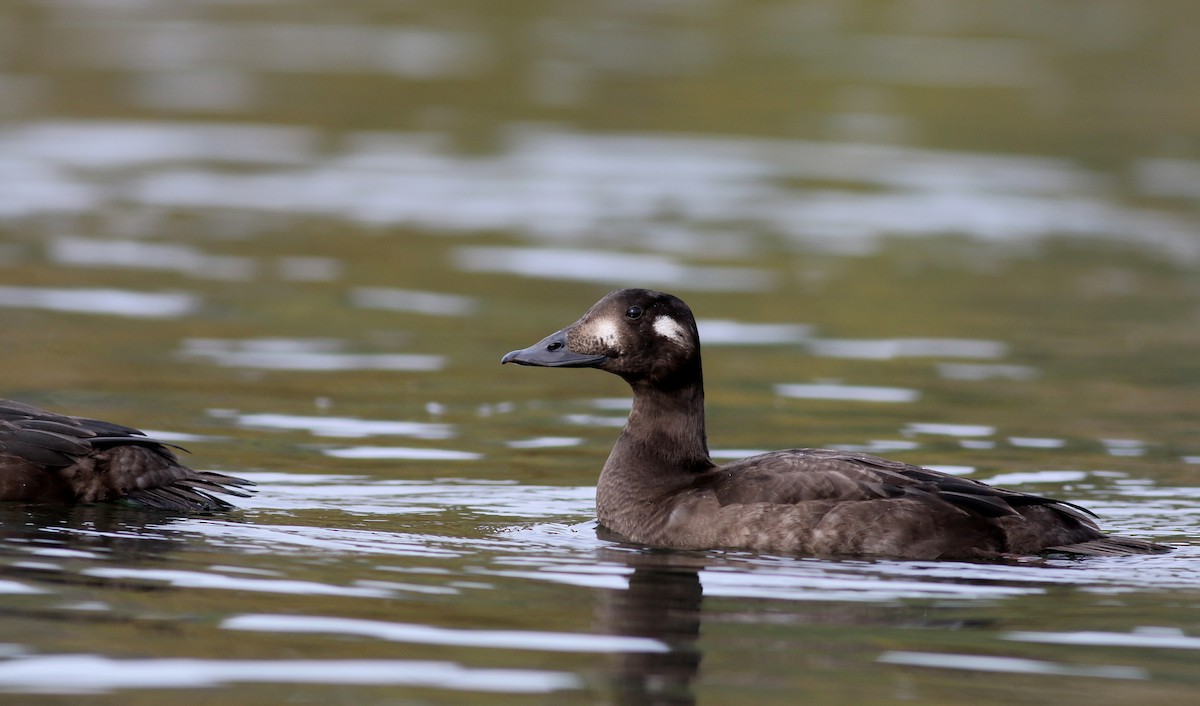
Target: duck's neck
(661, 448)
(667, 427)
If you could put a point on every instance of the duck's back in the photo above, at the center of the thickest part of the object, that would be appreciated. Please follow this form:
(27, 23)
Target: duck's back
(47, 457)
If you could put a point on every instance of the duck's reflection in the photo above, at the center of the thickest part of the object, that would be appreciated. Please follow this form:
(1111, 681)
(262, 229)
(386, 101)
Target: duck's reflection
(663, 603)
(34, 533)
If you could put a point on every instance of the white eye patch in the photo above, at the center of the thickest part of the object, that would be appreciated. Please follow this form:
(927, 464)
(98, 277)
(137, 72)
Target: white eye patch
(669, 328)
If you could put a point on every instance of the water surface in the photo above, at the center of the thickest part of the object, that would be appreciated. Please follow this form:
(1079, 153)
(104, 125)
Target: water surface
(297, 239)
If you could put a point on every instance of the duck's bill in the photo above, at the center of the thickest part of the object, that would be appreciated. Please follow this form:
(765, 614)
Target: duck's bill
(552, 352)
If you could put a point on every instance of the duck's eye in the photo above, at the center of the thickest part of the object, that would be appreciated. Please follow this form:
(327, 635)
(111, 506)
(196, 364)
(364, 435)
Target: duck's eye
(634, 312)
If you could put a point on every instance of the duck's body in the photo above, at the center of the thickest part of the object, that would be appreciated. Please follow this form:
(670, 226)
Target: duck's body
(660, 487)
(55, 458)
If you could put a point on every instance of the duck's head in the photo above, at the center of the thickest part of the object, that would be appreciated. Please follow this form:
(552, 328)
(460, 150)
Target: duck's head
(638, 334)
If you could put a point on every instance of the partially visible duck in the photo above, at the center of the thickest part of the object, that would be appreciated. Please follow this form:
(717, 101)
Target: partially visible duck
(660, 487)
(55, 458)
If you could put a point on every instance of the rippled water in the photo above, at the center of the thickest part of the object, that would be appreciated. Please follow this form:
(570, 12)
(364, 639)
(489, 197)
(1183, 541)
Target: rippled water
(296, 239)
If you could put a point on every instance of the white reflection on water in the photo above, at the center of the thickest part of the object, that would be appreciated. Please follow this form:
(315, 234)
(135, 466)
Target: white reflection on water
(343, 427)
(595, 420)
(180, 437)
(720, 332)
(115, 302)
(952, 469)
(828, 583)
(1154, 637)
(1011, 665)
(430, 635)
(622, 403)
(67, 674)
(365, 495)
(402, 452)
(266, 538)
(212, 580)
(941, 428)
(429, 303)
(120, 145)
(13, 587)
(1124, 447)
(878, 446)
(851, 393)
(891, 348)
(1007, 479)
(313, 354)
(544, 442)
(89, 252)
(641, 269)
(734, 453)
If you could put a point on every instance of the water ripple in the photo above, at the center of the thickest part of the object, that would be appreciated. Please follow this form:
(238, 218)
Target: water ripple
(429, 635)
(71, 674)
(1010, 665)
(115, 302)
(344, 427)
(302, 355)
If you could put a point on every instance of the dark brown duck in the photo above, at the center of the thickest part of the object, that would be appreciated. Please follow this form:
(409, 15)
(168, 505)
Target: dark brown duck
(659, 486)
(55, 458)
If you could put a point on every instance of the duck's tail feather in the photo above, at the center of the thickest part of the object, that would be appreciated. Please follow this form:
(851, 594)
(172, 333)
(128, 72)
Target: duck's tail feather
(1112, 545)
(193, 492)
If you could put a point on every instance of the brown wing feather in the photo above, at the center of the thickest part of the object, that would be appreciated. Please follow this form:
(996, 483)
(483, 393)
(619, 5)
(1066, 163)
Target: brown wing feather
(804, 475)
(47, 457)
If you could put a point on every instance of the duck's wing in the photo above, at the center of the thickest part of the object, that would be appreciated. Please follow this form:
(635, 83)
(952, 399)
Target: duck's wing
(57, 440)
(45, 456)
(799, 475)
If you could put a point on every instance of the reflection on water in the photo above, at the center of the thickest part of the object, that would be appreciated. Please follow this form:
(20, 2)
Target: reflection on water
(1011, 665)
(87, 252)
(544, 442)
(83, 674)
(906, 348)
(562, 186)
(1156, 637)
(648, 617)
(941, 428)
(424, 634)
(214, 214)
(112, 302)
(302, 354)
(976, 371)
(214, 581)
(403, 452)
(608, 267)
(430, 303)
(344, 427)
(662, 601)
(723, 332)
(854, 393)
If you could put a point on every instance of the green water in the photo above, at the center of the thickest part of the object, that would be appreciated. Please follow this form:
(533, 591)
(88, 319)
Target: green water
(297, 238)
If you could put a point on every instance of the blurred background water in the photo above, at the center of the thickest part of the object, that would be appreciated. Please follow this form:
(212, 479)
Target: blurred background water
(296, 237)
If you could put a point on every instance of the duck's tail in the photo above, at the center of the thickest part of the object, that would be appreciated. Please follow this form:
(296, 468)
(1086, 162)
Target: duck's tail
(193, 491)
(1112, 545)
